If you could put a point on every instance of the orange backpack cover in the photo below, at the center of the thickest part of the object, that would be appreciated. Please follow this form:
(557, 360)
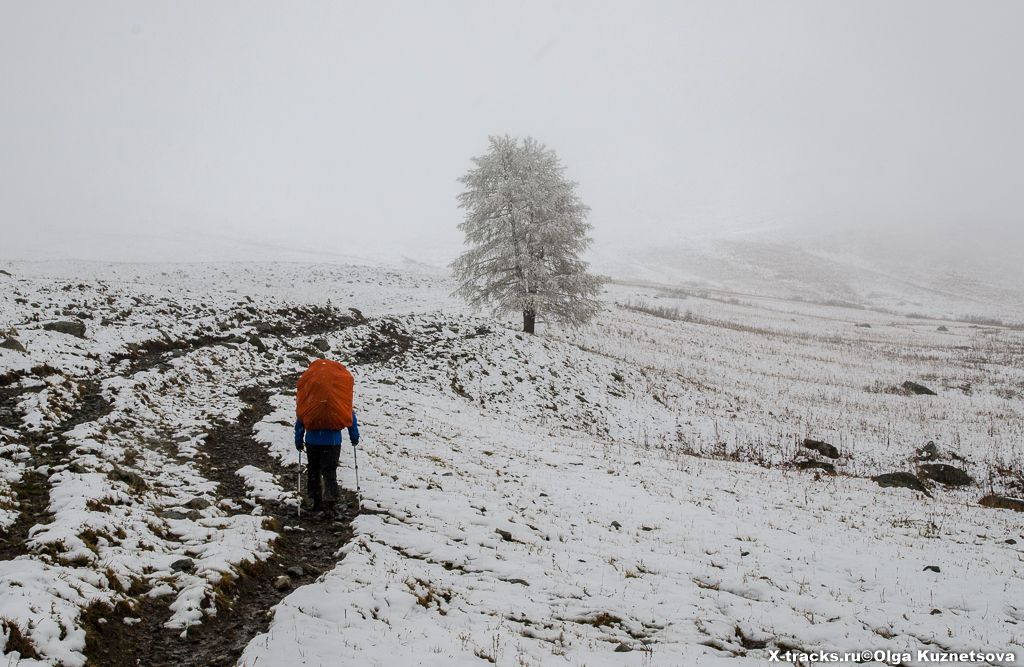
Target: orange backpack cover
(324, 397)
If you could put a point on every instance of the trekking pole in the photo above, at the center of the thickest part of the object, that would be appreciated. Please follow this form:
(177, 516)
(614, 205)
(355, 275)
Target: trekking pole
(298, 483)
(355, 460)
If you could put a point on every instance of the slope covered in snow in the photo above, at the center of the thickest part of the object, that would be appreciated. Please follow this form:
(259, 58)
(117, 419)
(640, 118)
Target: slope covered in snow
(633, 493)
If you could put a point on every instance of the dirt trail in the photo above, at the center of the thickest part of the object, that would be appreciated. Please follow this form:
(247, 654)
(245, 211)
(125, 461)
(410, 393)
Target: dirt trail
(305, 548)
(49, 448)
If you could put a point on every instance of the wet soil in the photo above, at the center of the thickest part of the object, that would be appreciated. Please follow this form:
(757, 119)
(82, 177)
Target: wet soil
(49, 448)
(306, 547)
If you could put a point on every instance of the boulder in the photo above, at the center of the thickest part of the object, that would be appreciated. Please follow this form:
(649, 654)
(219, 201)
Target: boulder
(919, 389)
(255, 341)
(282, 583)
(906, 480)
(183, 565)
(321, 344)
(828, 468)
(945, 474)
(929, 452)
(12, 344)
(822, 448)
(198, 503)
(1002, 502)
(69, 327)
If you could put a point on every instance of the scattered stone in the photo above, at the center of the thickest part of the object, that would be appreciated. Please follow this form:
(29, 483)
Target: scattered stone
(623, 648)
(864, 325)
(942, 327)
(935, 611)
(183, 565)
(1002, 503)
(932, 568)
(929, 452)
(255, 341)
(296, 571)
(282, 583)
(173, 514)
(12, 344)
(1010, 541)
(521, 582)
(2, 271)
(198, 503)
(906, 480)
(919, 389)
(322, 344)
(828, 468)
(822, 448)
(132, 479)
(945, 474)
(69, 327)
(616, 525)
(505, 535)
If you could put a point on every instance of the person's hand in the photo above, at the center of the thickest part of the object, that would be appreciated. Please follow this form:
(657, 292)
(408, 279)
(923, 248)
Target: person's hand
(299, 447)
(355, 441)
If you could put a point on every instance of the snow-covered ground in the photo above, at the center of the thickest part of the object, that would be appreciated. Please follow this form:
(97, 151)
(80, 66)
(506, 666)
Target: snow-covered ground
(625, 494)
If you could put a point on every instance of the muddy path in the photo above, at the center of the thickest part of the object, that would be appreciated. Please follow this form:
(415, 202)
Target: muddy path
(305, 548)
(49, 448)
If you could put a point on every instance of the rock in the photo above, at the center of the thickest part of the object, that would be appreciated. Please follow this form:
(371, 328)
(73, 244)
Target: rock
(321, 344)
(255, 341)
(134, 480)
(817, 465)
(929, 452)
(1010, 541)
(906, 480)
(919, 389)
(822, 448)
(945, 474)
(296, 571)
(173, 514)
(198, 503)
(282, 583)
(863, 325)
(69, 327)
(505, 535)
(3, 272)
(183, 565)
(623, 648)
(932, 568)
(942, 327)
(1002, 503)
(616, 525)
(12, 344)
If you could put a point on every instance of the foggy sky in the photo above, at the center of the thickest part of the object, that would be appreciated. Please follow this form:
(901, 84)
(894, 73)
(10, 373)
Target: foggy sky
(343, 126)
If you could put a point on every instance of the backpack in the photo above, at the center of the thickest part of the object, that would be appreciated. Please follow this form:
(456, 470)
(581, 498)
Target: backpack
(323, 401)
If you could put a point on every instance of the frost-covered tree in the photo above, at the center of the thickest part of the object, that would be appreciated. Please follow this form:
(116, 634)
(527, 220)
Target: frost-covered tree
(525, 227)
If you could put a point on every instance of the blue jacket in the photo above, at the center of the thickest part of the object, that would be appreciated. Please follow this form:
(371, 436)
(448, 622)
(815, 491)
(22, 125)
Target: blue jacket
(324, 437)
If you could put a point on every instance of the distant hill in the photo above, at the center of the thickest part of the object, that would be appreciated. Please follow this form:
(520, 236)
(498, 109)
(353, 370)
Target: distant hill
(903, 272)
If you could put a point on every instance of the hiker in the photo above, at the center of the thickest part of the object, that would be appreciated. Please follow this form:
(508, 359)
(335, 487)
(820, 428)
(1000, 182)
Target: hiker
(323, 408)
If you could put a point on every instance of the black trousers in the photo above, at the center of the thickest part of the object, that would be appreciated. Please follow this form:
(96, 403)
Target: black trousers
(322, 468)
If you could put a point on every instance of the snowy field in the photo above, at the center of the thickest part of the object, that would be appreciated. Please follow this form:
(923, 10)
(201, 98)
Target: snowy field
(636, 492)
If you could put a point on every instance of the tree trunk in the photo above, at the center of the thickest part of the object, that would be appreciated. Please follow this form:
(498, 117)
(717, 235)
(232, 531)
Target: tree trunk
(529, 319)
